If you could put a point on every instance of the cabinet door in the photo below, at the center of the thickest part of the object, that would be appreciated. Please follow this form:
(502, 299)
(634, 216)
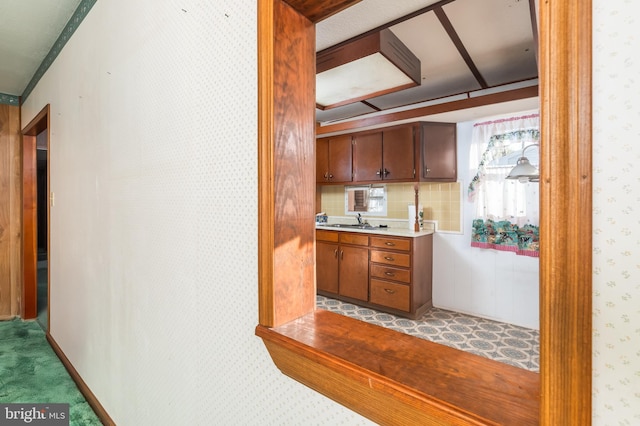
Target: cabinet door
(327, 267)
(398, 154)
(367, 157)
(340, 167)
(354, 272)
(439, 158)
(322, 160)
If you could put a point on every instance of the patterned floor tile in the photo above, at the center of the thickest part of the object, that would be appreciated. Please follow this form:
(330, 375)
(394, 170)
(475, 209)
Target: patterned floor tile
(507, 343)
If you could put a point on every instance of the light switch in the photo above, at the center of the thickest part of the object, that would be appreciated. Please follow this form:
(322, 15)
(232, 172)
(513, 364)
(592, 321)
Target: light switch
(52, 199)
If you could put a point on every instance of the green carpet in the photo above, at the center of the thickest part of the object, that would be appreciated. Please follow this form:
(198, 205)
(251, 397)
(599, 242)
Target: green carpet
(42, 296)
(30, 372)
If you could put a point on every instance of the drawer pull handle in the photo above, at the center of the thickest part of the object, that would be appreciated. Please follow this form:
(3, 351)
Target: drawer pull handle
(390, 274)
(388, 290)
(389, 258)
(389, 243)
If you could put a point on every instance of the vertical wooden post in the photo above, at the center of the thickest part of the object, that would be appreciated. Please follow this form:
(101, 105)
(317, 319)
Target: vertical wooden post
(10, 211)
(566, 213)
(286, 163)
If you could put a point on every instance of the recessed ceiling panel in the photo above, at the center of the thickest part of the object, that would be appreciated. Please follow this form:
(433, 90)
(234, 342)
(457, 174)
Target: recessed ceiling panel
(498, 36)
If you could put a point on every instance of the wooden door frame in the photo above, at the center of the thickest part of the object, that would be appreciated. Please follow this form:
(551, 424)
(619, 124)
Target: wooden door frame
(37, 125)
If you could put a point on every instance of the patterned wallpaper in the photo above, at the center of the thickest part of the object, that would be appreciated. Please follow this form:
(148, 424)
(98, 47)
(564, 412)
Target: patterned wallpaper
(154, 168)
(9, 99)
(616, 228)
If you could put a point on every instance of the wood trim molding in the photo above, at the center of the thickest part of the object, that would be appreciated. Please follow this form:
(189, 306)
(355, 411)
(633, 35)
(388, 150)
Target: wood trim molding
(394, 378)
(266, 186)
(566, 211)
(29, 209)
(300, 347)
(29, 228)
(316, 11)
(82, 386)
(38, 123)
(286, 164)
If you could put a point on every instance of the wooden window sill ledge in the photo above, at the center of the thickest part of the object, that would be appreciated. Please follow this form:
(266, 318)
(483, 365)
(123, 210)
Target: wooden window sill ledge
(393, 378)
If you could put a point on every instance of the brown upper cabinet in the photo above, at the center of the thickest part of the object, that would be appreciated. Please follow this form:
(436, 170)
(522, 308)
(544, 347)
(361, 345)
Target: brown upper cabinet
(438, 155)
(333, 159)
(387, 155)
(413, 152)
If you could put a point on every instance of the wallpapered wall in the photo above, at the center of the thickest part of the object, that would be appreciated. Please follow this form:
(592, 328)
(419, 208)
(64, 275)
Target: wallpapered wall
(154, 268)
(616, 228)
(154, 231)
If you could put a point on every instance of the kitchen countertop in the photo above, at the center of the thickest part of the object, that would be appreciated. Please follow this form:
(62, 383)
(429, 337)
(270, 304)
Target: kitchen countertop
(396, 232)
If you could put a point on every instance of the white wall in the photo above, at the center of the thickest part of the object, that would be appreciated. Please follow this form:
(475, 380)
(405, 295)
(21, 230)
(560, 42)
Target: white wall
(154, 271)
(483, 282)
(154, 231)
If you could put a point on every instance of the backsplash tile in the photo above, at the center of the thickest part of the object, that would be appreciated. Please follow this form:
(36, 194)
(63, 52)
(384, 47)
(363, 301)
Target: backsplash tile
(440, 202)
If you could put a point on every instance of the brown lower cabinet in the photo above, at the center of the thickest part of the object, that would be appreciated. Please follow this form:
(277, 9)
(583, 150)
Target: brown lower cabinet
(342, 264)
(390, 274)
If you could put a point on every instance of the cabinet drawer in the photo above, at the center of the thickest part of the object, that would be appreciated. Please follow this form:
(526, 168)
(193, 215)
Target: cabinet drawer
(329, 236)
(389, 273)
(391, 258)
(355, 239)
(402, 244)
(395, 296)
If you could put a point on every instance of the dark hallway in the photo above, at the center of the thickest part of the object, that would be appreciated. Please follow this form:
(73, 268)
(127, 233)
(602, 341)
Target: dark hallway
(42, 273)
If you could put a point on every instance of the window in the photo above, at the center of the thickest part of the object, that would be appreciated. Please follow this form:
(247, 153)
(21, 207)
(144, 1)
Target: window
(368, 200)
(507, 210)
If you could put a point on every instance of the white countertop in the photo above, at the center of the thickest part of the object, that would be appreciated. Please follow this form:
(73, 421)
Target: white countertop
(395, 231)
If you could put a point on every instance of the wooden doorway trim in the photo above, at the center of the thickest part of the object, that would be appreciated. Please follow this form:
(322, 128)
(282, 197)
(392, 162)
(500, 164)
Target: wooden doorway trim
(566, 200)
(30, 213)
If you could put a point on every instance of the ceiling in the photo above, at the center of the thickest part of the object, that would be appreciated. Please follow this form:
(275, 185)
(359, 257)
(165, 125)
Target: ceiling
(28, 30)
(496, 36)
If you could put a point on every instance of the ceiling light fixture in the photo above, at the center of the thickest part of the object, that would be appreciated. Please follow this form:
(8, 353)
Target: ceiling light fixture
(364, 68)
(524, 171)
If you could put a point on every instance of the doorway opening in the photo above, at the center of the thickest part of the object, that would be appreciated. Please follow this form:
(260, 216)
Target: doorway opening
(35, 215)
(42, 234)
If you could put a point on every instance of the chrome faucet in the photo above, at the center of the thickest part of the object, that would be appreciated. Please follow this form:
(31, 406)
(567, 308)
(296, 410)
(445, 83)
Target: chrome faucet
(359, 217)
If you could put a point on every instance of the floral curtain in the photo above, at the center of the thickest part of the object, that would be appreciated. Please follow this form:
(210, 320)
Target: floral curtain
(507, 211)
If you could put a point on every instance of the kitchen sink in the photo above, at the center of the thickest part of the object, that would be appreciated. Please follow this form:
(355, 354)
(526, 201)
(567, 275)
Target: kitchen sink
(353, 226)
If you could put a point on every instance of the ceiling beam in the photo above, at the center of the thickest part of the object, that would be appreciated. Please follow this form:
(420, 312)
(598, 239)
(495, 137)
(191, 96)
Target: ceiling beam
(455, 38)
(472, 102)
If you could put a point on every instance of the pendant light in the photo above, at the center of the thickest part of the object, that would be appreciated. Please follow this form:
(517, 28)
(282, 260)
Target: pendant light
(524, 171)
